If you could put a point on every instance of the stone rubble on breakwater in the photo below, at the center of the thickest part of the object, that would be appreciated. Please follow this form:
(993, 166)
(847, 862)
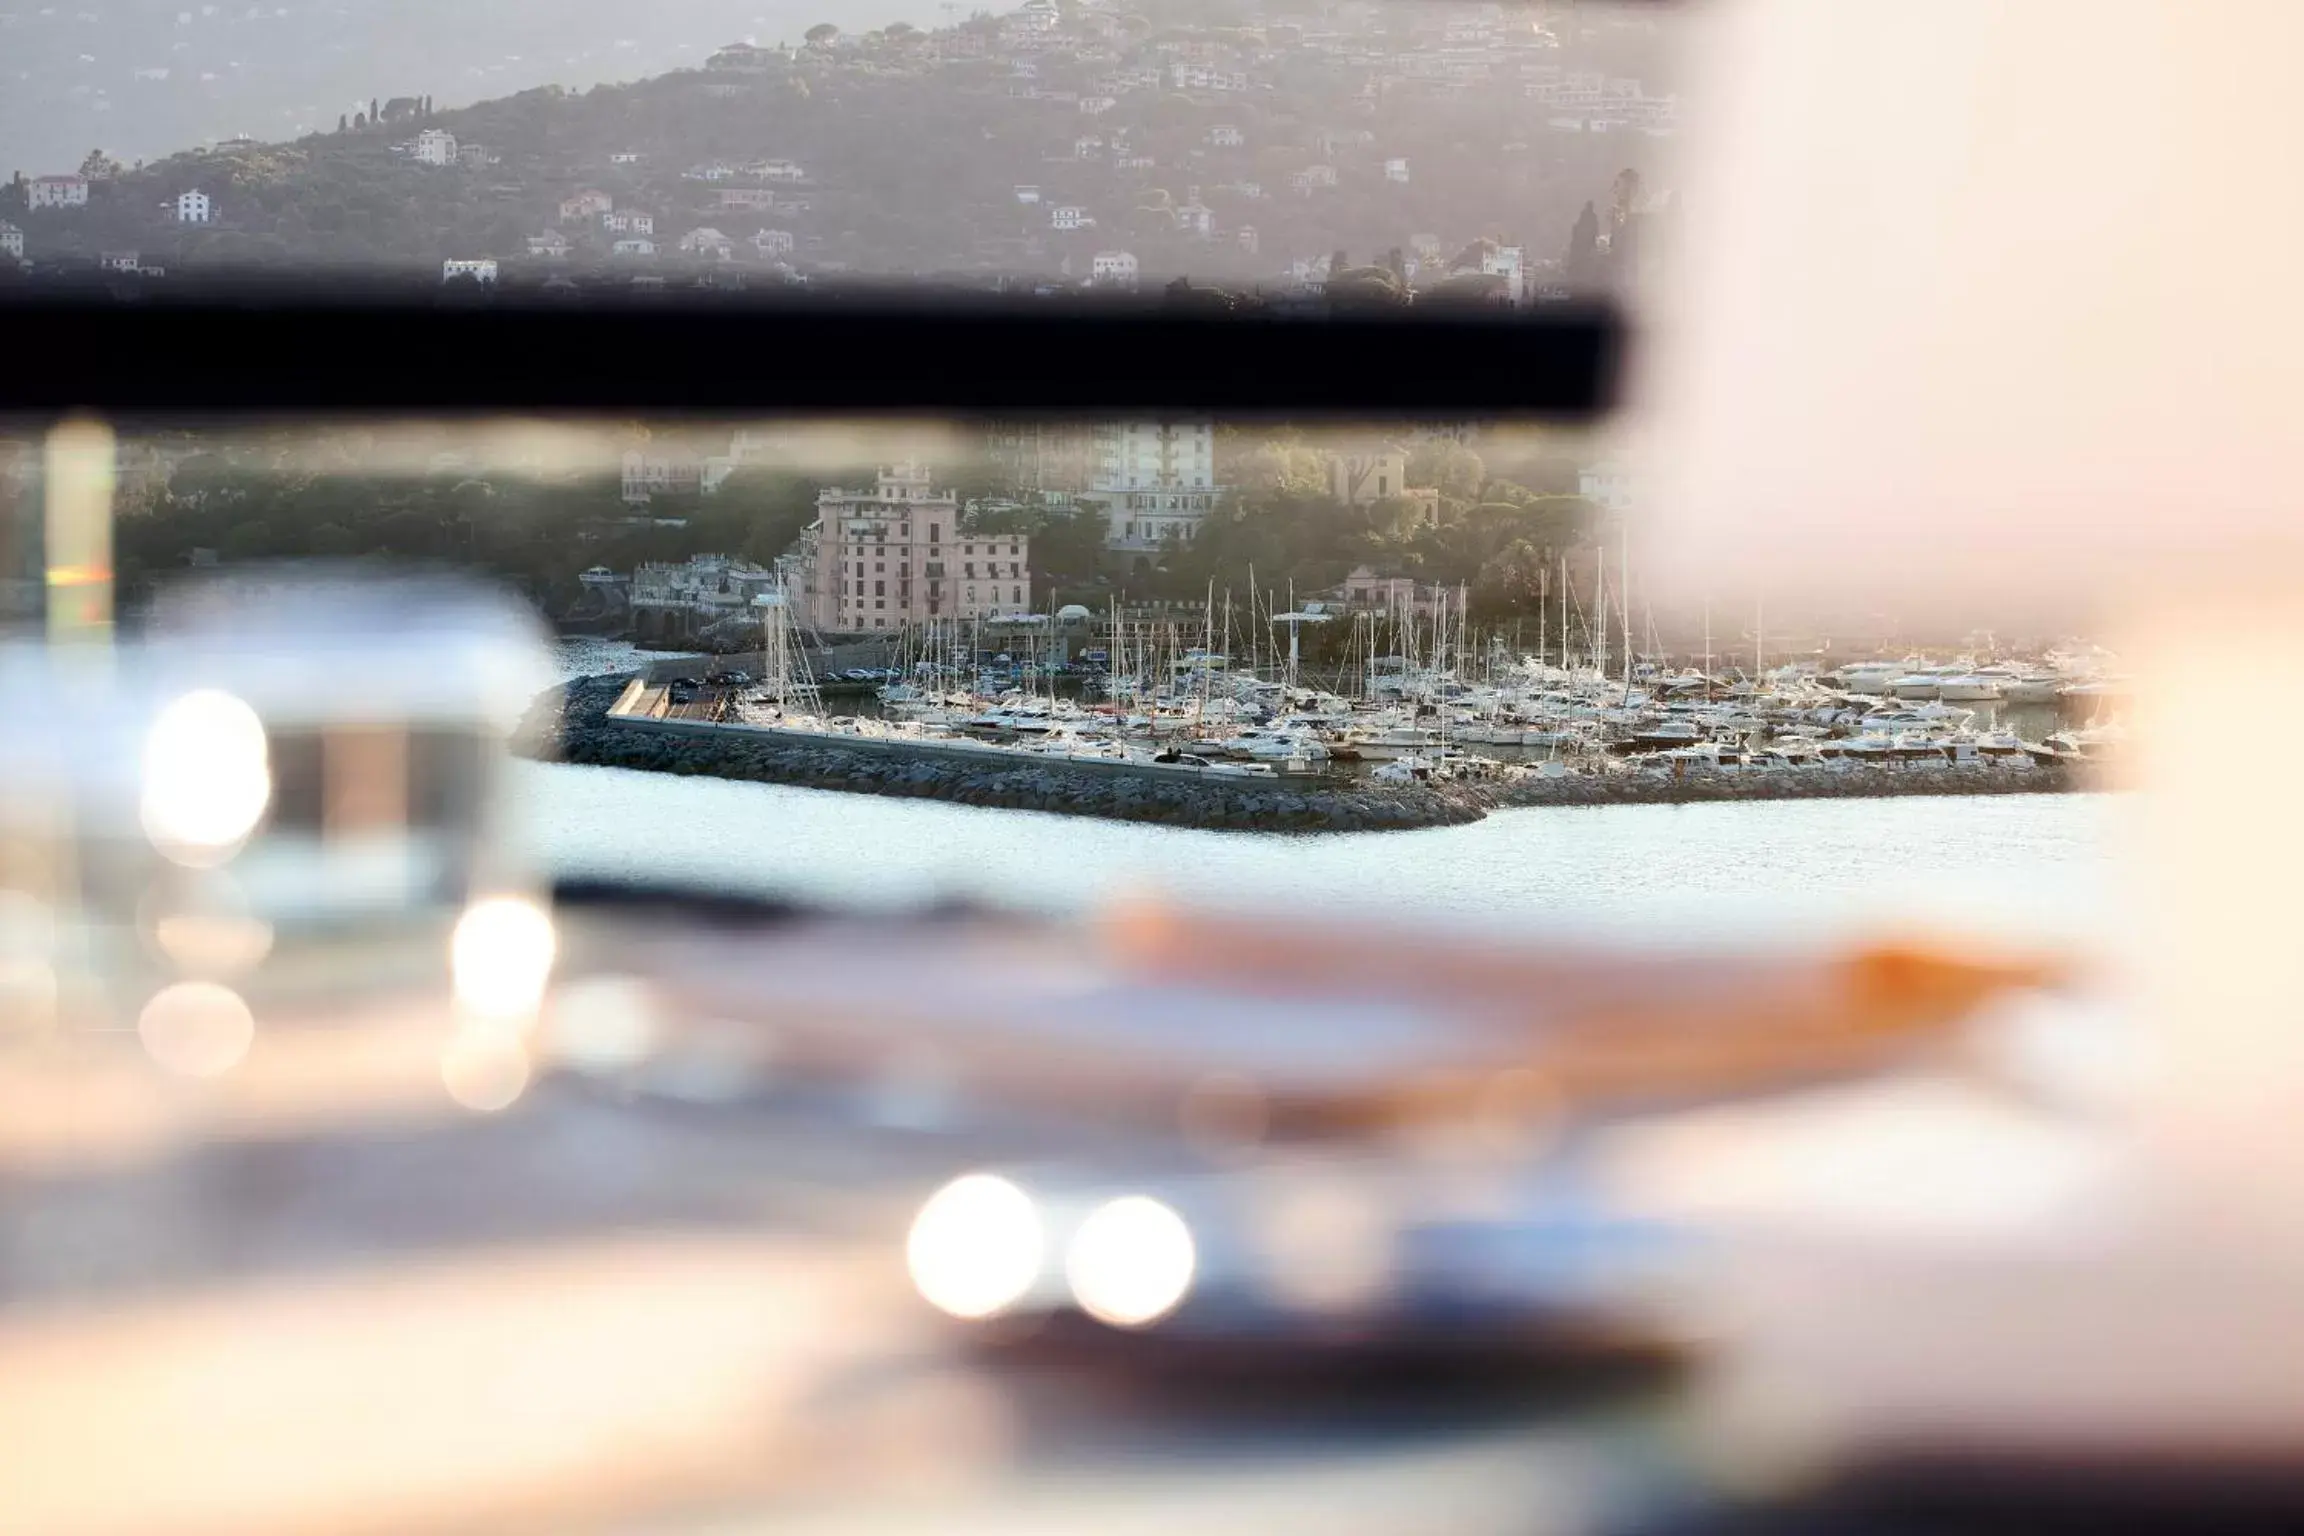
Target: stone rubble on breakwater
(572, 725)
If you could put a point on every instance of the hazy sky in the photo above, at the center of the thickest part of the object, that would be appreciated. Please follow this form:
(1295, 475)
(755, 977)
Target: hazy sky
(145, 78)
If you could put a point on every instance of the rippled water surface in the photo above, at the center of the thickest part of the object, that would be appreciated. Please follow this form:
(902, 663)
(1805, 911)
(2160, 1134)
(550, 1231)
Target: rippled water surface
(2030, 864)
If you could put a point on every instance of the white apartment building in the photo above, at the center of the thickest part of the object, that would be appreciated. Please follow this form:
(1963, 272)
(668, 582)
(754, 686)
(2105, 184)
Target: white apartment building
(772, 242)
(628, 222)
(11, 240)
(435, 146)
(1510, 263)
(1113, 269)
(894, 555)
(480, 270)
(57, 192)
(1226, 136)
(1069, 216)
(633, 245)
(1155, 480)
(1360, 479)
(194, 208)
(1606, 484)
(1396, 169)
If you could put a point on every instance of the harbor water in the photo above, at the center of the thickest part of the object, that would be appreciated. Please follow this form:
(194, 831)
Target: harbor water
(2028, 865)
(2022, 865)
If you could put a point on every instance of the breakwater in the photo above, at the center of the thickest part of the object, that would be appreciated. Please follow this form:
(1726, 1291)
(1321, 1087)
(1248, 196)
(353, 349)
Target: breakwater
(573, 725)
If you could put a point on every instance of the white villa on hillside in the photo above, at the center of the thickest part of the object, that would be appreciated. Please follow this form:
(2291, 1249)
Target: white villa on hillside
(1113, 269)
(56, 192)
(707, 241)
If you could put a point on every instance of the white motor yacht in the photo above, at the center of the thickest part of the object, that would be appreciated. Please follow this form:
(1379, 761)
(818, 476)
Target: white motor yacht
(1923, 684)
(1187, 762)
(1392, 741)
(1969, 687)
(1275, 744)
(1871, 677)
(2034, 687)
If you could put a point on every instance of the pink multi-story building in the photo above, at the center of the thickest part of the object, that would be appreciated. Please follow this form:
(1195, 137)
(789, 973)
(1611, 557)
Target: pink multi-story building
(895, 555)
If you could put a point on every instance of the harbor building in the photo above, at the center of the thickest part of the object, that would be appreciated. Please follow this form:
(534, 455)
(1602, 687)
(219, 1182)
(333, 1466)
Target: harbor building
(671, 601)
(895, 554)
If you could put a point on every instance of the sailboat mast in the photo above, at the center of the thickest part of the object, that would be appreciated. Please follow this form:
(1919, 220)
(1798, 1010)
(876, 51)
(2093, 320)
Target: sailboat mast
(1564, 612)
(1624, 592)
(1600, 611)
(1759, 639)
(1707, 647)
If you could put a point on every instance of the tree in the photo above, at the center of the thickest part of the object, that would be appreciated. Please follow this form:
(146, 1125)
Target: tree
(1583, 259)
(1470, 258)
(820, 35)
(1468, 288)
(99, 166)
(374, 116)
(332, 541)
(254, 540)
(757, 512)
(340, 122)
(1363, 288)
(409, 532)
(1451, 466)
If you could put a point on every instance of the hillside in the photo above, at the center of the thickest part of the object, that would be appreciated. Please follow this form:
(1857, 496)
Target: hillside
(142, 78)
(1220, 140)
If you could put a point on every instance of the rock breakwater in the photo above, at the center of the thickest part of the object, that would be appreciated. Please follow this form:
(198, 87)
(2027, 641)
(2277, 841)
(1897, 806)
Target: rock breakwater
(572, 725)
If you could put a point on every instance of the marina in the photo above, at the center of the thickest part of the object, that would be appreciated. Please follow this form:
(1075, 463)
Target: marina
(1440, 727)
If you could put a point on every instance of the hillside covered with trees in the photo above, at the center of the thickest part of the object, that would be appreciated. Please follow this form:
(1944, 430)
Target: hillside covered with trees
(1388, 147)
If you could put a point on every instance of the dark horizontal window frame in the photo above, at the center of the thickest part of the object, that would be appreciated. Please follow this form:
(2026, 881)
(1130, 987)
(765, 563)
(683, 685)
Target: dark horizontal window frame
(292, 353)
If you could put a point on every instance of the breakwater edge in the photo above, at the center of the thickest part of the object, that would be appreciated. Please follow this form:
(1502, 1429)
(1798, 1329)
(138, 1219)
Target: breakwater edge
(572, 724)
